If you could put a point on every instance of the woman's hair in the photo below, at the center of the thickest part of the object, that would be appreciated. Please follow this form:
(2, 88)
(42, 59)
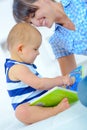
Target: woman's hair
(22, 9)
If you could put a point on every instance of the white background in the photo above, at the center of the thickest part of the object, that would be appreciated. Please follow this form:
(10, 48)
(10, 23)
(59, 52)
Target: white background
(47, 66)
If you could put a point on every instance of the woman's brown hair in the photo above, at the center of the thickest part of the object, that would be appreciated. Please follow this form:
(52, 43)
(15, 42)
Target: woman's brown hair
(22, 9)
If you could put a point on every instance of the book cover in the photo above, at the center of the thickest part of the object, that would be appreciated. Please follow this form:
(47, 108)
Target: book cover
(56, 94)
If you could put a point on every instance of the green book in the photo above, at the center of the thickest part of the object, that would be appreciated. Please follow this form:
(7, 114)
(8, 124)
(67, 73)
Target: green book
(55, 96)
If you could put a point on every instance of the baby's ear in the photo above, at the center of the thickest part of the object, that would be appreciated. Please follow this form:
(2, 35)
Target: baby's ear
(20, 48)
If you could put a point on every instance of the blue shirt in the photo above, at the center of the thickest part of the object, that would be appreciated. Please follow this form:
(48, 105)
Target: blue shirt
(64, 41)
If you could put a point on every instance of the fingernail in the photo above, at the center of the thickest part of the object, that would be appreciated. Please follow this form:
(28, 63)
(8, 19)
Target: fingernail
(73, 79)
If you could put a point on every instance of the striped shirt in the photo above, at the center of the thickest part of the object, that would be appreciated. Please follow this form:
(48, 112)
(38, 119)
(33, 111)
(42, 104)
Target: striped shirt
(18, 91)
(64, 41)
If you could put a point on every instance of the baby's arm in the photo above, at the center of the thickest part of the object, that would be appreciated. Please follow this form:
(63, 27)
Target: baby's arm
(31, 114)
(21, 72)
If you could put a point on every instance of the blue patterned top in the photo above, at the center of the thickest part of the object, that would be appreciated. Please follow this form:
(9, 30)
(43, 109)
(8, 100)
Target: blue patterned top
(64, 41)
(18, 91)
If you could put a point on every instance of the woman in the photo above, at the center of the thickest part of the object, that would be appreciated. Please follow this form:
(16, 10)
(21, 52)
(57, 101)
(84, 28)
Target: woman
(70, 20)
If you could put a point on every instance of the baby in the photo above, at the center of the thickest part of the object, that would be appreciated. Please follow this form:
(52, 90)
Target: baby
(24, 83)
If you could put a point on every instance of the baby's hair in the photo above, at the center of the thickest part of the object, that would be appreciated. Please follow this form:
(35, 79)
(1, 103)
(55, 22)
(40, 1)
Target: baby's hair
(21, 33)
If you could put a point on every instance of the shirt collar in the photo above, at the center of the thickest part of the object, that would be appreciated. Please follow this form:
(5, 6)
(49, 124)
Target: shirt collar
(65, 2)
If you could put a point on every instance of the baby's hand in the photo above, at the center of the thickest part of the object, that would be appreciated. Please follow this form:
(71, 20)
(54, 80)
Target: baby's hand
(67, 81)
